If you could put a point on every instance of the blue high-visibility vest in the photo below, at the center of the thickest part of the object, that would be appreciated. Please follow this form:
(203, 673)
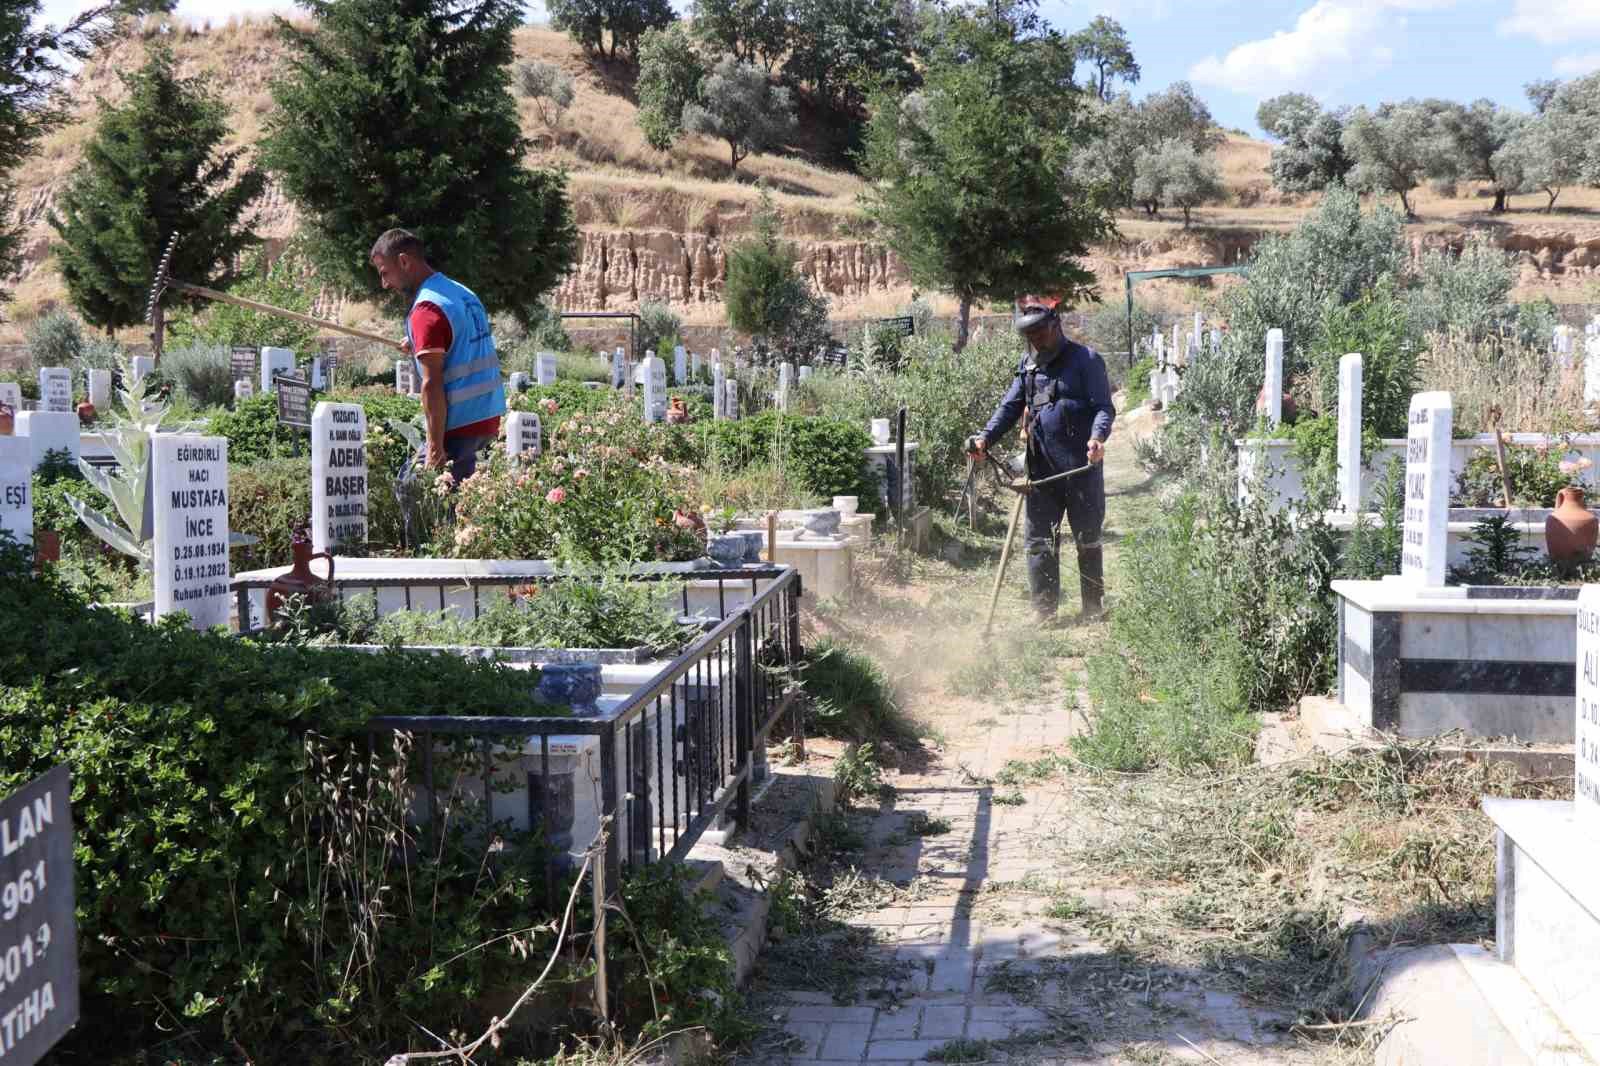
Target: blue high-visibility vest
(473, 390)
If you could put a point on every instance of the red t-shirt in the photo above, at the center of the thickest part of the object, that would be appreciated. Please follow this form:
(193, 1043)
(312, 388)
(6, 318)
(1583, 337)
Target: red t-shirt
(431, 329)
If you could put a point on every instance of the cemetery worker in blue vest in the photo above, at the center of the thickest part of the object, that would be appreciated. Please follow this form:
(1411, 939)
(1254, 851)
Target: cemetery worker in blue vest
(1062, 395)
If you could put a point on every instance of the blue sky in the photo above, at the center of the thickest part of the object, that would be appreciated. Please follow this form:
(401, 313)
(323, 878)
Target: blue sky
(1341, 51)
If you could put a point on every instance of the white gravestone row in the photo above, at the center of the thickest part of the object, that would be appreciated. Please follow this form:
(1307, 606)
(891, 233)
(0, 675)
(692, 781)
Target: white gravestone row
(275, 361)
(189, 476)
(55, 388)
(655, 389)
(523, 435)
(338, 476)
(680, 365)
(1273, 389)
(1586, 741)
(16, 488)
(98, 385)
(1425, 545)
(1349, 454)
(544, 368)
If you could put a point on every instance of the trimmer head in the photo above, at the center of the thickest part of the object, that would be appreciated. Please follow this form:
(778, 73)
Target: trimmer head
(158, 288)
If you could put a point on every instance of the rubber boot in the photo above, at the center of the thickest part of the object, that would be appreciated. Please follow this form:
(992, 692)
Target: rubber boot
(1092, 583)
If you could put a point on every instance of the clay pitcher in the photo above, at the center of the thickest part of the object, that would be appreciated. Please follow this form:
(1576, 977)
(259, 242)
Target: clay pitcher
(8, 420)
(299, 581)
(1571, 530)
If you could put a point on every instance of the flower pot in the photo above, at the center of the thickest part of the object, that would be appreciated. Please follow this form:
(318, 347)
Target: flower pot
(299, 581)
(86, 413)
(1571, 530)
(846, 505)
(46, 547)
(8, 420)
(726, 548)
(880, 431)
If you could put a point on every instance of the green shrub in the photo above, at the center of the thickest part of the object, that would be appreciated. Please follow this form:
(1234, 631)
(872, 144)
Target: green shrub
(1136, 385)
(850, 696)
(252, 430)
(268, 499)
(55, 339)
(824, 456)
(202, 371)
(1535, 473)
(1375, 325)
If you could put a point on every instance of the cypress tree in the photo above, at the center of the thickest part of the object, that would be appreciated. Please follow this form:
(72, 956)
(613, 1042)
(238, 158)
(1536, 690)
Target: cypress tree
(400, 113)
(154, 167)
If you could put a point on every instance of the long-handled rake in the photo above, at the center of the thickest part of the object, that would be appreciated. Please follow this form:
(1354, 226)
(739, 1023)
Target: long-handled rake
(164, 281)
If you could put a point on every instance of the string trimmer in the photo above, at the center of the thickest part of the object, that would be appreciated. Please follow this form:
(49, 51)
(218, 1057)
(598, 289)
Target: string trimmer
(165, 280)
(1007, 478)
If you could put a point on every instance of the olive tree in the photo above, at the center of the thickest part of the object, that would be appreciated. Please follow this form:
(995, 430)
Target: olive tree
(740, 105)
(548, 86)
(1176, 175)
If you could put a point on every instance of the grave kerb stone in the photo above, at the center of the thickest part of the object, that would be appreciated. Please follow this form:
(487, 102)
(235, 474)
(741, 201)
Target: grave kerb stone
(16, 488)
(1349, 449)
(1424, 545)
(1273, 389)
(1586, 741)
(338, 477)
(55, 388)
(189, 477)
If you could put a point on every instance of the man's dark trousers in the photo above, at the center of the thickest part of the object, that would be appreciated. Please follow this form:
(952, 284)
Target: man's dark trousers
(1082, 501)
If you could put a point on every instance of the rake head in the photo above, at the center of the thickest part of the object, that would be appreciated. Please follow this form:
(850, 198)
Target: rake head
(158, 288)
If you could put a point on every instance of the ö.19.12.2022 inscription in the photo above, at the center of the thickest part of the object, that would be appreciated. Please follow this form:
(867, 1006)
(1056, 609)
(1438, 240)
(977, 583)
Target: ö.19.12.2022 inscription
(38, 935)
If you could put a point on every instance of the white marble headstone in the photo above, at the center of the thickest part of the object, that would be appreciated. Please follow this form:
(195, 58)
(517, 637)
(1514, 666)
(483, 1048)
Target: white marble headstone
(785, 381)
(55, 388)
(680, 365)
(1274, 380)
(655, 389)
(804, 373)
(98, 385)
(523, 435)
(275, 361)
(518, 382)
(694, 364)
(50, 431)
(730, 401)
(338, 476)
(16, 488)
(11, 395)
(544, 368)
(716, 355)
(1199, 331)
(1350, 433)
(1586, 742)
(1216, 339)
(619, 369)
(404, 373)
(719, 401)
(319, 374)
(1425, 546)
(189, 476)
(141, 366)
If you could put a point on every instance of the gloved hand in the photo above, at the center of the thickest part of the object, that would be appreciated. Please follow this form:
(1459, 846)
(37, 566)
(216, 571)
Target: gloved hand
(976, 445)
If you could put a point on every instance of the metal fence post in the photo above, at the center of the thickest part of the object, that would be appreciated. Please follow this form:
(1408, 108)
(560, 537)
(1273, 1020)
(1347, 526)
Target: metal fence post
(608, 805)
(744, 709)
(792, 660)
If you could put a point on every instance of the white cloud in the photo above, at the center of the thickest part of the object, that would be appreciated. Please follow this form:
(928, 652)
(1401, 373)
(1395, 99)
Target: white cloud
(1576, 66)
(1333, 42)
(1553, 21)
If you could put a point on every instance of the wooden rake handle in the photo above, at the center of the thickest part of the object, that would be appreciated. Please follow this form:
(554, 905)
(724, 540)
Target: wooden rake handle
(281, 312)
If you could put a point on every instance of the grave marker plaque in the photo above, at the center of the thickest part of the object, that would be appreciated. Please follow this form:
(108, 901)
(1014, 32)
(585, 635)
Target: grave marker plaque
(1425, 548)
(190, 487)
(1586, 742)
(904, 325)
(242, 362)
(16, 488)
(55, 389)
(38, 933)
(523, 435)
(338, 475)
(294, 401)
(730, 402)
(405, 377)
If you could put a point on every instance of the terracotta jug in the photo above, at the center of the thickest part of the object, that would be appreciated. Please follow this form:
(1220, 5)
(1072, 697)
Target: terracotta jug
(46, 548)
(300, 581)
(1571, 530)
(86, 413)
(8, 420)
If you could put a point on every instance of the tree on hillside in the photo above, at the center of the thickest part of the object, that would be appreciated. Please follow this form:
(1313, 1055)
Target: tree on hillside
(1474, 133)
(766, 295)
(1394, 148)
(1104, 46)
(670, 72)
(840, 47)
(549, 87)
(1543, 155)
(752, 31)
(589, 22)
(399, 113)
(154, 167)
(34, 60)
(1176, 175)
(1310, 154)
(740, 105)
(1178, 113)
(1109, 160)
(970, 176)
(1287, 115)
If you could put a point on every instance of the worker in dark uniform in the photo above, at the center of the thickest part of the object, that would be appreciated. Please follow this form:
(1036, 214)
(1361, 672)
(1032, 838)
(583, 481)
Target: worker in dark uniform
(1062, 394)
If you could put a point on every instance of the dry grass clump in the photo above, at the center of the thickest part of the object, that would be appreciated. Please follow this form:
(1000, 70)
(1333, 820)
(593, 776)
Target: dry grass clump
(1533, 392)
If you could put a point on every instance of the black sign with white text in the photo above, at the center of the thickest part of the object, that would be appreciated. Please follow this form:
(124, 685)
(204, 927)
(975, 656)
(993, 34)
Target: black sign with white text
(38, 931)
(245, 363)
(294, 401)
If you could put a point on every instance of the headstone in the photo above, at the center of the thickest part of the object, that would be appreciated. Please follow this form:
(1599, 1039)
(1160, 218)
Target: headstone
(518, 382)
(40, 938)
(730, 401)
(716, 355)
(275, 361)
(719, 398)
(1156, 378)
(1273, 389)
(50, 431)
(804, 373)
(55, 388)
(244, 363)
(1586, 742)
(11, 396)
(680, 365)
(1350, 433)
(694, 364)
(141, 366)
(785, 380)
(319, 374)
(1216, 340)
(16, 488)
(338, 476)
(619, 369)
(544, 368)
(1591, 369)
(1199, 330)
(405, 377)
(294, 401)
(1425, 546)
(523, 436)
(189, 477)
(655, 389)
(243, 390)
(98, 384)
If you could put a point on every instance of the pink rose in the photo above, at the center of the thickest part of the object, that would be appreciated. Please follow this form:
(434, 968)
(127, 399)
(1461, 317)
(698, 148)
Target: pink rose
(580, 473)
(551, 407)
(555, 495)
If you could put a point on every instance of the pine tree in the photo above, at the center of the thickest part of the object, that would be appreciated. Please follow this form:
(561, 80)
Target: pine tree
(400, 113)
(153, 168)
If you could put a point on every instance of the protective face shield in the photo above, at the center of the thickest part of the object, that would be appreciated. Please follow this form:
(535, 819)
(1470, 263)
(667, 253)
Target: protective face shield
(1031, 314)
